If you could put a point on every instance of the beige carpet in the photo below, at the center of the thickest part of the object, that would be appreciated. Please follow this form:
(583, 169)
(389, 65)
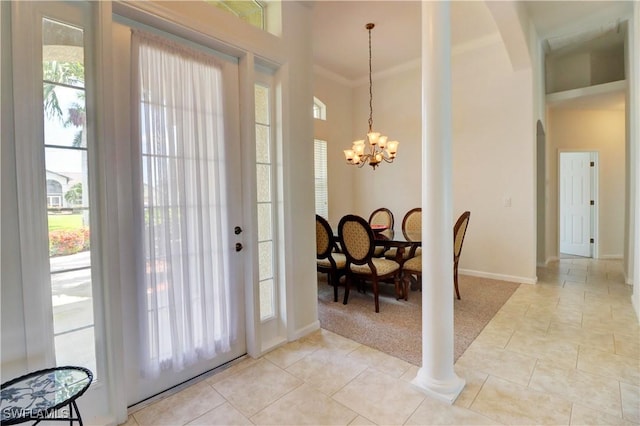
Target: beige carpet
(397, 328)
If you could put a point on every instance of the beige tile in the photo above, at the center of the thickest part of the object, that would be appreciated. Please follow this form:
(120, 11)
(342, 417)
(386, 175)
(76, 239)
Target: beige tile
(131, 421)
(627, 344)
(552, 313)
(257, 386)
(326, 370)
(380, 398)
(598, 392)
(581, 415)
(582, 336)
(630, 402)
(473, 383)
(512, 404)
(494, 335)
(623, 290)
(410, 374)
(362, 421)
(181, 407)
(433, 412)
(304, 406)
(231, 370)
(625, 369)
(574, 278)
(329, 340)
(290, 353)
(510, 321)
(586, 287)
(223, 415)
(380, 361)
(506, 364)
(544, 347)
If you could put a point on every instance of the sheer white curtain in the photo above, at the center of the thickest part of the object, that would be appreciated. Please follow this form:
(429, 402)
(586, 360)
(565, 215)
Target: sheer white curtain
(183, 256)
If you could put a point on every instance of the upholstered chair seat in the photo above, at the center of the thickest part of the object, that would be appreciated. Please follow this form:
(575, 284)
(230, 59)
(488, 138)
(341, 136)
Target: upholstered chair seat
(383, 267)
(358, 243)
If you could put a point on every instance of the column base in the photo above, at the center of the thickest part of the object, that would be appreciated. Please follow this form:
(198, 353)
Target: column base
(445, 391)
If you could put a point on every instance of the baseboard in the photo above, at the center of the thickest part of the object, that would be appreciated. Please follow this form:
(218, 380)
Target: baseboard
(499, 277)
(301, 332)
(611, 257)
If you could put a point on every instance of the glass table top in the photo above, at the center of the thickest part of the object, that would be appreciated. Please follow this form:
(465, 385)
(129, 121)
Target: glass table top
(36, 394)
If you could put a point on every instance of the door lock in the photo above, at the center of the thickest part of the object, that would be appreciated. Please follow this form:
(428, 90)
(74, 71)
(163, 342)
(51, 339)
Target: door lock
(238, 246)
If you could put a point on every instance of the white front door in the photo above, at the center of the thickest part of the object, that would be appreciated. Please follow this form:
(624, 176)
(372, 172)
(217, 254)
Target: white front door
(188, 203)
(575, 203)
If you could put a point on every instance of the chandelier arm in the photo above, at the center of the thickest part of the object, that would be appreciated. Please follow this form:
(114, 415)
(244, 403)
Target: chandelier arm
(376, 141)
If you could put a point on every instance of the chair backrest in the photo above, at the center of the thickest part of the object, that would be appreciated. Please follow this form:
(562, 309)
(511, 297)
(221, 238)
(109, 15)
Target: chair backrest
(459, 230)
(357, 239)
(381, 216)
(412, 223)
(324, 238)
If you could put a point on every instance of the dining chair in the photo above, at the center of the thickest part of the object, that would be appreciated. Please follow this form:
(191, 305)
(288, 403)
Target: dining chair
(413, 266)
(381, 217)
(328, 260)
(411, 229)
(358, 244)
(459, 231)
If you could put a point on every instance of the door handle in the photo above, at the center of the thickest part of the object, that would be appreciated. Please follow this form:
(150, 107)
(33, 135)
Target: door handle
(238, 246)
(237, 230)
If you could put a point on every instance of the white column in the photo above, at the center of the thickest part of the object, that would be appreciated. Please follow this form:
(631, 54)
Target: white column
(437, 377)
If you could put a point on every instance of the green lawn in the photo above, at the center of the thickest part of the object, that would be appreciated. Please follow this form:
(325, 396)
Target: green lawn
(64, 221)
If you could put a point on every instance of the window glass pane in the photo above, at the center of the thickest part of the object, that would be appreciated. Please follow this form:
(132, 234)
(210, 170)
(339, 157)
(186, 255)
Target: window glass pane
(72, 348)
(263, 177)
(249, 11)
(262, 104)
(262, 144)
(265, 250)
(321, 178)
(68, 207)
(266, 299)
(264, 222)
(65, 113)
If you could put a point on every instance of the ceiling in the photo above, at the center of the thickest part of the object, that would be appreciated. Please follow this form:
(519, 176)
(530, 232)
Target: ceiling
(340, 40)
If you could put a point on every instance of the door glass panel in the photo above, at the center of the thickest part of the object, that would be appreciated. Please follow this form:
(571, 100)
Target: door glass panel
(68, 207)
(265, 204)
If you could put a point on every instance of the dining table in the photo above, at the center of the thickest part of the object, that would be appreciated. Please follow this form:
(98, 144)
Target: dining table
(402, 241)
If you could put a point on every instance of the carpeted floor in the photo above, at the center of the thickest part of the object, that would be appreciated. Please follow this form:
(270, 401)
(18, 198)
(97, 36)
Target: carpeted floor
(397, 328)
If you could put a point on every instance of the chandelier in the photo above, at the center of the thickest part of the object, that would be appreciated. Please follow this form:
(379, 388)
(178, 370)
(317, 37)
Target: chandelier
(379, 149)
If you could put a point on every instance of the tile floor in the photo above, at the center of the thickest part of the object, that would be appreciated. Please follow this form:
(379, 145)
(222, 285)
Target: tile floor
(564, 351)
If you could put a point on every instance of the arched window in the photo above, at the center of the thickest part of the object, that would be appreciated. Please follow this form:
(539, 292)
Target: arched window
(54, 193)
(319, 109)
(251, 12)
(54, 187)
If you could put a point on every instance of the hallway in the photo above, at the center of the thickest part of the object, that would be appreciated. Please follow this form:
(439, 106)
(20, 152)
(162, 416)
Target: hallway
(563, 351)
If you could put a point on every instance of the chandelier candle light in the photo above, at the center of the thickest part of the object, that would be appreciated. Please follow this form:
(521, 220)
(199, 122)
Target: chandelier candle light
(379, 148)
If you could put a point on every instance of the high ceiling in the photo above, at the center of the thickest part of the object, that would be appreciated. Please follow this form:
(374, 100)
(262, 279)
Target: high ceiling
(340, 40)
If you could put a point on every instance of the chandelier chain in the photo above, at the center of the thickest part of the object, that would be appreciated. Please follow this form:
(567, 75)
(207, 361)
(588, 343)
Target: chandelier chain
(375, 148)
(370, 85)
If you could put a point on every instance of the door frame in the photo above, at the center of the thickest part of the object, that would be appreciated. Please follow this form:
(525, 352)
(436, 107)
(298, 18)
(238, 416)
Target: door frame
(594, 211)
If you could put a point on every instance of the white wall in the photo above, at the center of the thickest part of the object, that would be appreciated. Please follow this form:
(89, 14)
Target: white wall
(603, 132)
(494, 157)
(336, 130)
(396, 113)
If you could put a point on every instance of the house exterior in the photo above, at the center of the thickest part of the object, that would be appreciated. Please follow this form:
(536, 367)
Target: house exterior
(498, 101)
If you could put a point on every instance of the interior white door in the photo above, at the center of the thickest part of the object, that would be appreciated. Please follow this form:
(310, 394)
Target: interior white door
(575, 203)
(140, 386)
